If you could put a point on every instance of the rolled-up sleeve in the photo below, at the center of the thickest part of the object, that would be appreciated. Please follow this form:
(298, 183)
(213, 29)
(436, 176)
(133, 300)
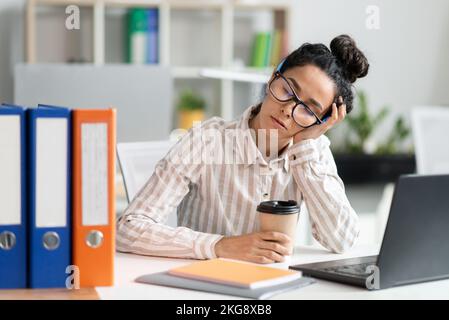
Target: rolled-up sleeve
(333, 220)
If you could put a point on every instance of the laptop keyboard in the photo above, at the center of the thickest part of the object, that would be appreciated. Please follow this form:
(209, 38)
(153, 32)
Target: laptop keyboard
(358, 270)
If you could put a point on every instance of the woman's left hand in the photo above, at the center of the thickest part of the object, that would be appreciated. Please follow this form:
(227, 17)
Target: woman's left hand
(313, 132)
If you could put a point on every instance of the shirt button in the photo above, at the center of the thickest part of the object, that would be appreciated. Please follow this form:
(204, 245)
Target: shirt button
(265, 196)
(293, 157)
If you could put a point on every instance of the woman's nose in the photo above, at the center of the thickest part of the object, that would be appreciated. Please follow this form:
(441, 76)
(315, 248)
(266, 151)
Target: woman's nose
(286, 109)
(286, 113)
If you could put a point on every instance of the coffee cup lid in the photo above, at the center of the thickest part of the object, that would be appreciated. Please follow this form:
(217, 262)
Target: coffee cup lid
(278, 207)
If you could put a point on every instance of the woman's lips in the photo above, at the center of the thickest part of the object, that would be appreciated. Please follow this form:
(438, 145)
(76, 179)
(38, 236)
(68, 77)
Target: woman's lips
(278, 123)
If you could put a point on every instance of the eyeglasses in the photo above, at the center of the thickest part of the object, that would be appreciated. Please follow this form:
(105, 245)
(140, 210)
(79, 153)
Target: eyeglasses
(282, 91)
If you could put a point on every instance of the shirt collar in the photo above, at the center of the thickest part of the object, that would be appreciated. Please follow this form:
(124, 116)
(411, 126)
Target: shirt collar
(246, 147)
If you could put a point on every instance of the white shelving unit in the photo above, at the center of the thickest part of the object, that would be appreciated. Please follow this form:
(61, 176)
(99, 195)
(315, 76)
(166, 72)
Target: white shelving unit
(241, 75)
(226, 10)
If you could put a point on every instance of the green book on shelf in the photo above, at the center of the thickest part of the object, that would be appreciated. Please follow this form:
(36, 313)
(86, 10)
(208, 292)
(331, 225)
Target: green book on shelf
(276, 48)
(259, 50)
(267, 49)
(137, 35)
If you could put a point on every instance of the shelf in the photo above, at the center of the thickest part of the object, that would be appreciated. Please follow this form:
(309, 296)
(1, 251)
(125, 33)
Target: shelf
(262, 4)
(92, 2)
(201, 4)
(186, 72)
(63, 2)
(253, 75)
(185, 4)
(243, 75)
(133, 3)
(219, 28)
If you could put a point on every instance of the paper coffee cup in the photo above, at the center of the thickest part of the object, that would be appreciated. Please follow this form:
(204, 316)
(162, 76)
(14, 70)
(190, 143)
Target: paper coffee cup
(279, 216)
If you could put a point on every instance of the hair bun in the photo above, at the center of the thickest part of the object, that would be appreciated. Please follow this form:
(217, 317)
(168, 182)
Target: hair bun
(349, 57)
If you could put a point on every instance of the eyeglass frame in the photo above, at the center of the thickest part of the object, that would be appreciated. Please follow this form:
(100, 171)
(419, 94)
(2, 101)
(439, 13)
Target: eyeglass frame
(297, 101)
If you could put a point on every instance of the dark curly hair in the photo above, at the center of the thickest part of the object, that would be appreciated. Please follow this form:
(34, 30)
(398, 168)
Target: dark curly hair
(343, 63)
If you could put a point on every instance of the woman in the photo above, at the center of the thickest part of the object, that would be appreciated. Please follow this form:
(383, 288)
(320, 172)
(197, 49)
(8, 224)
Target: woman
(309, 93)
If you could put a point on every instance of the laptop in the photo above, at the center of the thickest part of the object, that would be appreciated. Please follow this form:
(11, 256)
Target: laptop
(415, 246)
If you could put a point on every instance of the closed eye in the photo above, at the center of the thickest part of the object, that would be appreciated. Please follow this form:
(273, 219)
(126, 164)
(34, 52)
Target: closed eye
(311, 102)
(287, 89)
(310, 112)
(307, 110)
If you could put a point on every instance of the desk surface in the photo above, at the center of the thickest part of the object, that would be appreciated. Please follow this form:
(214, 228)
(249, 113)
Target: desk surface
(129, 267)
(49, 294)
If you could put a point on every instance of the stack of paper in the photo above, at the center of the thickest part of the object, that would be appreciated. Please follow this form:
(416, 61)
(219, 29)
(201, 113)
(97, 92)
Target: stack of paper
(230, 277)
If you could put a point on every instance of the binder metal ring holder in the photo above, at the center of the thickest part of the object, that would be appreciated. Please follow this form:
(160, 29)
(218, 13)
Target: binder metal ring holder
(51, 240)
(94, 239)
(7, 240)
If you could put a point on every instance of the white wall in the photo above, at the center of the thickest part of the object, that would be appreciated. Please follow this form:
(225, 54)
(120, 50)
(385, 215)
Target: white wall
(409, 54)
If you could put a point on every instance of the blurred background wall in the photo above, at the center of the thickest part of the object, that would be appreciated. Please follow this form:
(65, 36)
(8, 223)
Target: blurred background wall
(408, 57)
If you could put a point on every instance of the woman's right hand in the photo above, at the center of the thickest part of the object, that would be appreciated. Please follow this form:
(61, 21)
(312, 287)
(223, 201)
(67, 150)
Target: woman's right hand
(260, 247)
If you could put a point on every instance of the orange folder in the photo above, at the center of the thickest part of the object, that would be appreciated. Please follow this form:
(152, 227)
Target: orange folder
(235, 273)
(94, 140)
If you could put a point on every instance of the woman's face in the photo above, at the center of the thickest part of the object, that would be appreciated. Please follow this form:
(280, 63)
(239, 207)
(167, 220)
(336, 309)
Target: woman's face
(312, 86)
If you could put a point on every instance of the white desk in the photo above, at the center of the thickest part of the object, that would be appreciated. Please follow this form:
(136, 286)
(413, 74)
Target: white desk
(129, 267)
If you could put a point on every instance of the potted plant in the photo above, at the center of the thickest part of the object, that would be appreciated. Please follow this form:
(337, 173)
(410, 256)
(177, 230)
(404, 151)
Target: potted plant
(191, 108)
(362, 125)
(360, 160)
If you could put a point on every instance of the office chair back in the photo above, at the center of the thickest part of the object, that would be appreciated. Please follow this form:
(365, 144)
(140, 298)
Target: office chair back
(137, 162)
(430, 127)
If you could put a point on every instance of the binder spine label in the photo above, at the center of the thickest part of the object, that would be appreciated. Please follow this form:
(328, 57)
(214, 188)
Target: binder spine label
(94, 164)
(10, 171)
(51, 172)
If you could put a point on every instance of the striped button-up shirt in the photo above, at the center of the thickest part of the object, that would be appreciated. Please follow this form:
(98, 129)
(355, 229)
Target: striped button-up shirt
(216, 187)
